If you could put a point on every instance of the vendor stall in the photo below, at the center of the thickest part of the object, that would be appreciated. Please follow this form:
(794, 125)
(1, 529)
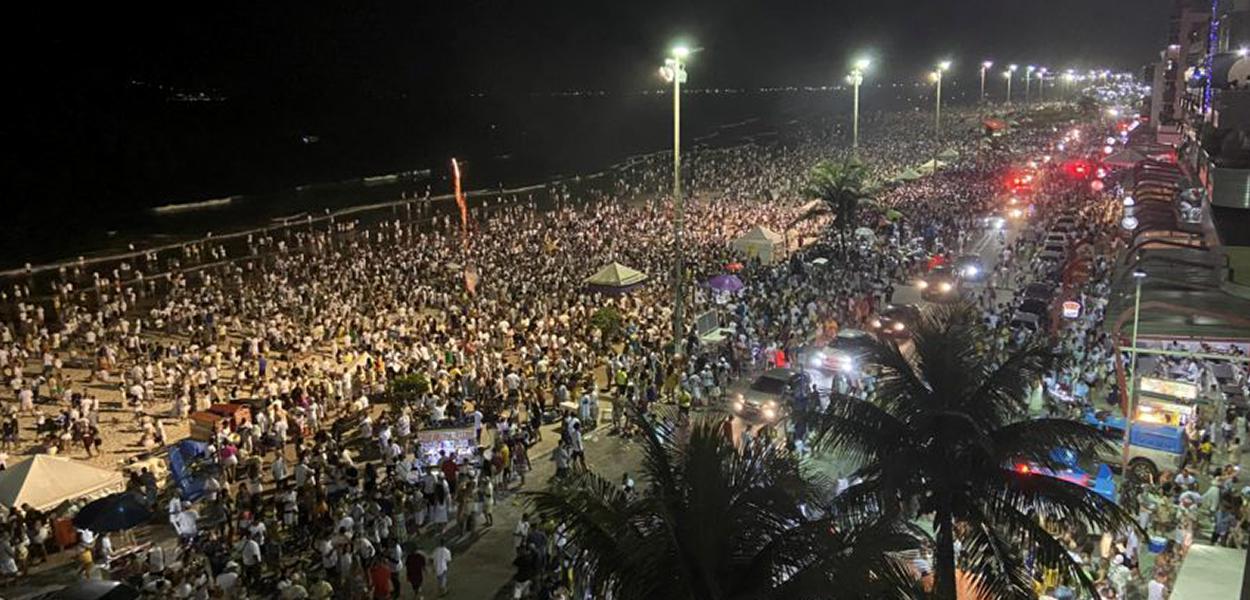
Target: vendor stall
(760, 243)
(44, 482)
(1166, 401)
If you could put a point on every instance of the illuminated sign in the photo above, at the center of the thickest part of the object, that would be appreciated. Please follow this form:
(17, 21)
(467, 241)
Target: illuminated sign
(1167, 387)
(1071, 309)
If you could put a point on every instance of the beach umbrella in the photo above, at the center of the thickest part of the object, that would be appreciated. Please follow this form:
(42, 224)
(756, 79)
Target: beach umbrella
(117, 512)
(726, 283)
(733, 267)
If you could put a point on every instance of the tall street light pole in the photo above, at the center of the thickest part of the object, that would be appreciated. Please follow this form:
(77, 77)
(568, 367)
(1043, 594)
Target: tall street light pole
(674, 71)
(1011, 70)
(855, 79)
(985, 66)
(937, 112)
(1041, 85)
(1138, 276)
(1028, 79)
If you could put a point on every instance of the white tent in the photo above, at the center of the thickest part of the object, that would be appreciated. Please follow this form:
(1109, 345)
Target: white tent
(760, 243)
(616, 275)
(44, 482)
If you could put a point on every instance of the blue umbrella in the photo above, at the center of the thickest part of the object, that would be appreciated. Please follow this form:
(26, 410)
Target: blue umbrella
(117, 512)
(726, 283)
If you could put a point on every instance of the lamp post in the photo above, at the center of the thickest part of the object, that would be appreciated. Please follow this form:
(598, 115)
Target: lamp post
(855, 79)
(1011, 70)
(985, 66)
(1068, 77)
(1041, 85)
(1138, 276)
(674, 71)
(937, 111)
(1028, 79)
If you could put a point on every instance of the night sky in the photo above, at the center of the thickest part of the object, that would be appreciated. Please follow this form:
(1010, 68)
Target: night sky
(83, 135)
(278, 48)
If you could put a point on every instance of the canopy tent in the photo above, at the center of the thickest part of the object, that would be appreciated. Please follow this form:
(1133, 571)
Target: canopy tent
(44, 482)
(760, 243)
(909, 175)
(930, 165)
(616, 278)
(1124, 158)
(948, 154)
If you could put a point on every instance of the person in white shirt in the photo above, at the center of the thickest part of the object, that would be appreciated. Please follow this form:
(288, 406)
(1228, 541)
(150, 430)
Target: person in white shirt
(228, 580)
(251, 559)
(1157, 589)
(441, 557)
(156, 559)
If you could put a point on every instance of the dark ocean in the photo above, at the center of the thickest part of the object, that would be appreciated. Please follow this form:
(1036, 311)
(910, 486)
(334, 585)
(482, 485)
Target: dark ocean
(244, 163)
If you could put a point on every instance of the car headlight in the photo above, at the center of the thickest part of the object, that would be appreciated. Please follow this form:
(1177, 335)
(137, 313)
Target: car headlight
(846, 363)
(899, 326)
(770, 413)
(922, 284)
(876, 323)
(946, 286)
(971, 271)
(1016, 213)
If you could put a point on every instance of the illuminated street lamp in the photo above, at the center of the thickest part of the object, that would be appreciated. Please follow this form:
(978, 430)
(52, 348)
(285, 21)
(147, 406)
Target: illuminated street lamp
(1138, 276)
(1068, 77)
(985, 66)
(855, 79)
(942, 67)
(674, 71)
(1041, 84)
(1028, 78)
(1011, 69)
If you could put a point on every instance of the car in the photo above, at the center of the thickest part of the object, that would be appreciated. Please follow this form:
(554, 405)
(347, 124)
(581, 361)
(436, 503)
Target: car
(1024, 320)
(1054, 253)
(768, 397)
(838, 356)
(995, 221)
(1037, 290)
(969, 267)
(1056, 237)
(1037, 307)
(1100, 481)
(941, 284)
(895, 320)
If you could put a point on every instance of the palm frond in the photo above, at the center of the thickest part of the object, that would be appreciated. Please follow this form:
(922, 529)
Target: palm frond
(856, 429)
(1035, 439)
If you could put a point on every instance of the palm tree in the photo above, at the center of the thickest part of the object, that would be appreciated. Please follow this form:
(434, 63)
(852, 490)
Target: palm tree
(941, 436)
(716, 523)
(841, 188)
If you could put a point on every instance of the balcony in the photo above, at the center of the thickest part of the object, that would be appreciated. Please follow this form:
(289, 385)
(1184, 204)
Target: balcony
(1227, 179)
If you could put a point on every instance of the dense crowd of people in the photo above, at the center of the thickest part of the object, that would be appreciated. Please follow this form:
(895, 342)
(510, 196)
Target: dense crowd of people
(325, 490)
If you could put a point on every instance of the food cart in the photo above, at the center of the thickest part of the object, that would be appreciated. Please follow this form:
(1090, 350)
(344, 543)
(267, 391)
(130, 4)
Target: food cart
(1166, 401)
